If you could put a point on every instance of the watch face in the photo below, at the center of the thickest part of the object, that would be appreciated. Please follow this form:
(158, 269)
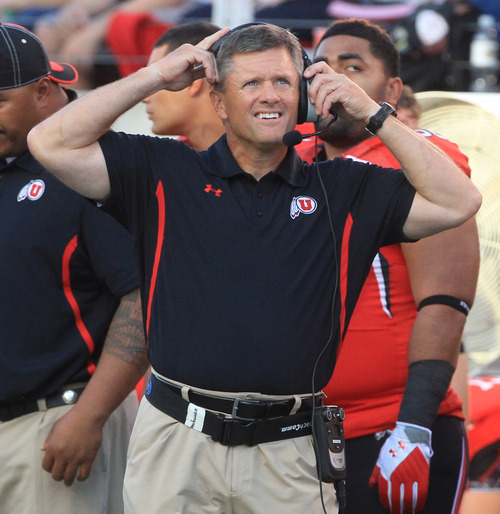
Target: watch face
(377, 120)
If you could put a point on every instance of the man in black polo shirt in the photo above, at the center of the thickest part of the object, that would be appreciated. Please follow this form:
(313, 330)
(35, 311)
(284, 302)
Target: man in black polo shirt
(69, 313)
(252, 262)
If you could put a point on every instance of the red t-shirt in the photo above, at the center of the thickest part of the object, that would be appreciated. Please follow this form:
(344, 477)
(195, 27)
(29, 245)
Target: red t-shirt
(372, 367)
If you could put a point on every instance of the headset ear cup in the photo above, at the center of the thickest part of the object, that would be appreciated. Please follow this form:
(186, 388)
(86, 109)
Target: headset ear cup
(303, 101)
(306, 111)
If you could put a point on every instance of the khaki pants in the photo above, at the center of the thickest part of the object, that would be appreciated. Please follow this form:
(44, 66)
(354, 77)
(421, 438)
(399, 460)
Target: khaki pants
(174, 469)
(25, 488)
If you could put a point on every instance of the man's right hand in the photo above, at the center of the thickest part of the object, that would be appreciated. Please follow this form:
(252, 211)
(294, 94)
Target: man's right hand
(178, 69)
(332, 90)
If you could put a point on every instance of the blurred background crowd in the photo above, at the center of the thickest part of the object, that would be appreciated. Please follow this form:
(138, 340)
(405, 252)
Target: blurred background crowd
(448, 45)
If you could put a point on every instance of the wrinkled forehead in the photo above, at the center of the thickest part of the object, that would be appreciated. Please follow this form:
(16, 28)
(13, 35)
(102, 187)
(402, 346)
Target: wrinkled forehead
(274, 60)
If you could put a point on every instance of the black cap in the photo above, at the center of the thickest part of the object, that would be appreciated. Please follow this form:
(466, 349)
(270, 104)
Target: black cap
(23, 60)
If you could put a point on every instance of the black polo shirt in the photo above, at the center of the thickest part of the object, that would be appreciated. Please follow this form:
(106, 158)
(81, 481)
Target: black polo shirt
(239, 274)
(64, 267)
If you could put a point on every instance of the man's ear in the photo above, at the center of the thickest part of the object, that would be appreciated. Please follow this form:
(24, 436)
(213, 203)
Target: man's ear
(217, 99)
(394, 90)
(197, 87)
(42, 90)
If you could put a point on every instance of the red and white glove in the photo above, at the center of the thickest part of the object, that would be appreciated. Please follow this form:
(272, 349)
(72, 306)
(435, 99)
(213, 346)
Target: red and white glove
(402, 469)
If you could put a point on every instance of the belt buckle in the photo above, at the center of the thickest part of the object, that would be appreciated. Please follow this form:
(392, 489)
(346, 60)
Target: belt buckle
(236, 403)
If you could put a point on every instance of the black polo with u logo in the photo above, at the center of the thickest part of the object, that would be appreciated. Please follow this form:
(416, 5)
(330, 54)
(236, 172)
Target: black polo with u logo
(245, 281)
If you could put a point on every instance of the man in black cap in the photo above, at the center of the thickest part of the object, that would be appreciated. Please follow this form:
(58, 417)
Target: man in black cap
(71, 339)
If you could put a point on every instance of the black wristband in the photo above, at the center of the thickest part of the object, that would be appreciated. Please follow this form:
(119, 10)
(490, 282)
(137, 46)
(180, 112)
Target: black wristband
(426, 387)
(446, 299)
(377, 120)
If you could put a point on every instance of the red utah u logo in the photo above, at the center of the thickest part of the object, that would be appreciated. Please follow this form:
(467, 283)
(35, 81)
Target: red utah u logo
(302, 204)
(306, 204)
(36, 190)
(33, 190)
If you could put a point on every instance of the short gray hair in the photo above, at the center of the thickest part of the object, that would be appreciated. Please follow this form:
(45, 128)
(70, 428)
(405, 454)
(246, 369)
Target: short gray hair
(255, 38)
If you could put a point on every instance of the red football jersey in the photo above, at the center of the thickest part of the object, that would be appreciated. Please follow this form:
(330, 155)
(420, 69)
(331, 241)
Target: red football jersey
(484, 397)
(372, 366)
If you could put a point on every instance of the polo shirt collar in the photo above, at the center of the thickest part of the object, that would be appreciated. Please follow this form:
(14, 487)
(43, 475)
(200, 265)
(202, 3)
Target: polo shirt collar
(223, 164)
(27, 163)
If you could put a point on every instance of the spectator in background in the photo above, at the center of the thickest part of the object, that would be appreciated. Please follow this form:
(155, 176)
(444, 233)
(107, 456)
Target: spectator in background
(76, 33)
(432, 36)
(27, 12)
(408, 107)
(188, 113)
(488, 7)
(391, 384)
(296, 15)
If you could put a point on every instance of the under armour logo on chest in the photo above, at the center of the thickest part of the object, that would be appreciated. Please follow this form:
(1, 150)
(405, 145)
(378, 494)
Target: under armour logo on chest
(209, 189)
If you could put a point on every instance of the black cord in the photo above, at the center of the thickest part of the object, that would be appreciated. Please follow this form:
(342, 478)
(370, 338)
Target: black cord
(341, 495)
(334, 295)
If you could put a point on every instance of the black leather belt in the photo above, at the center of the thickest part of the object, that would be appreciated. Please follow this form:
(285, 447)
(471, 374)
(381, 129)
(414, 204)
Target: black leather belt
(243, 409)
(19, 408)
(229, 431)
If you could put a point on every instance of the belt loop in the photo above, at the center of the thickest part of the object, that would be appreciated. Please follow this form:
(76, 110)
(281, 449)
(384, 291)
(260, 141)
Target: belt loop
(185, 393)
(223, 435)
(297, 404)
(42, 404)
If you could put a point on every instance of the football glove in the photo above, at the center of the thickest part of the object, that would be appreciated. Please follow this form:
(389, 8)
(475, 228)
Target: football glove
(402, 469)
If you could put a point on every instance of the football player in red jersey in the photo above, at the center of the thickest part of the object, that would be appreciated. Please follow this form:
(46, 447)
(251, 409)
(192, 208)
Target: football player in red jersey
(393, 372)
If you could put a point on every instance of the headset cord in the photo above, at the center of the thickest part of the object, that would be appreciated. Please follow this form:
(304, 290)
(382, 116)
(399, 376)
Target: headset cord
(341, 495)
(339, 484)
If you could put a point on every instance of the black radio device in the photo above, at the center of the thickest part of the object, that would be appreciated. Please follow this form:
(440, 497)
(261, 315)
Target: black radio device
(330, 445)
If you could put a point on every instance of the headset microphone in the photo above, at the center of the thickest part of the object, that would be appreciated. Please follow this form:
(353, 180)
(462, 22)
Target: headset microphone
(294, 137)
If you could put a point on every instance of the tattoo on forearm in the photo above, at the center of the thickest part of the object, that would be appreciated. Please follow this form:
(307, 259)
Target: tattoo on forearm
(125, 338)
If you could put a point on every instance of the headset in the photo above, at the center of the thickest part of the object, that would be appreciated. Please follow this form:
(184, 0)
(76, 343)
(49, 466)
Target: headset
(306, 111)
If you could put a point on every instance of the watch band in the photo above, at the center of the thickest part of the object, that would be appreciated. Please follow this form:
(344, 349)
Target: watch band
(377, 120)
